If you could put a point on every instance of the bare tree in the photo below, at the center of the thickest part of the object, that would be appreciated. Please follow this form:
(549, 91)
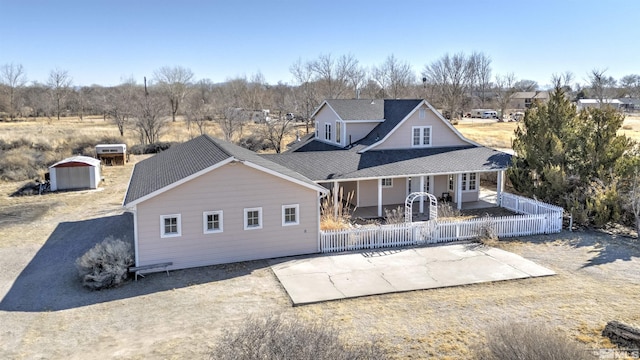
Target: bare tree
(13, 77)
(505, 89)
(149, 114)
(275, 131)
(394, 77)
(334, 75)
(602, 86)
(631, 85)
(480, 65)
(525, 85)
(452, 75)
(59, 84)
(174, 83)
(306, 94)
(120, 107)
(200, 105)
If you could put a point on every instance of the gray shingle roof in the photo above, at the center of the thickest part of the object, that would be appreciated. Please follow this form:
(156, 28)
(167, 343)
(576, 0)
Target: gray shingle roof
(394, 112)
(183, 160)
(358, 109)
(344, 164)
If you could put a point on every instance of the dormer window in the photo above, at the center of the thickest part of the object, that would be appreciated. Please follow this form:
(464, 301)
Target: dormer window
(421, 136)
(338, 132)
(317, 126)
(422, 113)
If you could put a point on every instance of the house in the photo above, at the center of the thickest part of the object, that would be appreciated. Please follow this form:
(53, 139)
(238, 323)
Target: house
(77, 172)
(207, 202)
(524, 99)
(629, 104)
(382, 150)
(597, 103)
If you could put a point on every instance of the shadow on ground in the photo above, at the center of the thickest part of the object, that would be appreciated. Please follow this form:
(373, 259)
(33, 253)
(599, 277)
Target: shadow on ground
(50, 281)
(606, 248)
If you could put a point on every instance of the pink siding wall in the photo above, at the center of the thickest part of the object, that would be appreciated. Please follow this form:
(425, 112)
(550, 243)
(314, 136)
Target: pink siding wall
(441, 134)
(230, 188)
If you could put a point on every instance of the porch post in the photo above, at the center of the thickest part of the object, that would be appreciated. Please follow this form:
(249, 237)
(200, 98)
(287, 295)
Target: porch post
(335, 199)
(500, 187)
(379, 197)
(459, 190)
(422, 197)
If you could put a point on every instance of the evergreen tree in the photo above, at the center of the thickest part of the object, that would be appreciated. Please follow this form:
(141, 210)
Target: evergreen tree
(570, 158)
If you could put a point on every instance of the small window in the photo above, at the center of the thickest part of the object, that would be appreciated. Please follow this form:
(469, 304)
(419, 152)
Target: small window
(421, 136)
(472, 181)
(327, 131)
(338, 131)
(451, 183)
(464, 182)
(387, 182)
(170, 226)
(212, 222)
(253, 218)
(317, 126)
(290, 215)
(423, 113)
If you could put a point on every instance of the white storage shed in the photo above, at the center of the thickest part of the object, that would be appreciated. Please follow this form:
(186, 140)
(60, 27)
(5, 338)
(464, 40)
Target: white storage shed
(77, 172)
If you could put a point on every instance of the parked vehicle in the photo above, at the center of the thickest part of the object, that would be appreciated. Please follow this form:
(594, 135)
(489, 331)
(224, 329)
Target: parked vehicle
(490, 115)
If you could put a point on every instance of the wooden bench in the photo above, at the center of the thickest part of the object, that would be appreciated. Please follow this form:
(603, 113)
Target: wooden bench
(137, 269)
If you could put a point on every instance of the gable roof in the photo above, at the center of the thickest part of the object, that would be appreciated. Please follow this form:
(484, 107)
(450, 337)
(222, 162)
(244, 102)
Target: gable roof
(193, 158)
(360, 109)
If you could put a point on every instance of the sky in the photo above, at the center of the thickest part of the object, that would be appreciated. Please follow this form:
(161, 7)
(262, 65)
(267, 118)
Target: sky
(104, 42)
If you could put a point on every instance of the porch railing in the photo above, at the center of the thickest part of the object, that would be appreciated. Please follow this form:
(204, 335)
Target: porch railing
(543, 219)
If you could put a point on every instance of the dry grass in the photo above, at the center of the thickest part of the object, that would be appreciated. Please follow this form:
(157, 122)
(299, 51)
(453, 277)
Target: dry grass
(499, 135)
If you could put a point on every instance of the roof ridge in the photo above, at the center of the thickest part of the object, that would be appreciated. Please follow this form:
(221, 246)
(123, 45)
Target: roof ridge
(208, 137)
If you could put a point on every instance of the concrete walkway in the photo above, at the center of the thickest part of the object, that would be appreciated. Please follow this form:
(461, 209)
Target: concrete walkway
(317, 278)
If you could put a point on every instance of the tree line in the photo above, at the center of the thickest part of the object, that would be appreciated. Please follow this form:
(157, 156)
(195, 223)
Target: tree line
(452, 83)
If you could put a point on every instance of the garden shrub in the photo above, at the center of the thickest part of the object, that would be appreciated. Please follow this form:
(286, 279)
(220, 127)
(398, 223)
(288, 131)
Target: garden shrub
(276, 337)
(523, 341)
(106, 264)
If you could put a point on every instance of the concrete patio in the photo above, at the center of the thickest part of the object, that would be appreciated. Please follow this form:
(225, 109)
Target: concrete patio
(317, 278)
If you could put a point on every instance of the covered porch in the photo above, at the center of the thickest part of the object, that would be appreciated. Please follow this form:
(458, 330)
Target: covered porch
(370, 197)
(488, 198)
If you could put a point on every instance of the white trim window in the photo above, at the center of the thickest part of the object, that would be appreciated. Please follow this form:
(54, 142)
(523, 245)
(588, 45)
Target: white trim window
(253, 218)
(290, 214)
(452, 183)
(420, 136)
(212, 222)
(422, 113)
(317, 128)
(469, 181)
(170, 225)
(387, 182)
(327, 131)
(339, 132)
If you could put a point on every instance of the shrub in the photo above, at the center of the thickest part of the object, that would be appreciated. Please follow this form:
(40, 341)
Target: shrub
(394, 216)
(255, 143)
(445, 210)
(106, 264)
(521, 341)
(278, 338)
(150, 148)
(487, 234)
(330, 219)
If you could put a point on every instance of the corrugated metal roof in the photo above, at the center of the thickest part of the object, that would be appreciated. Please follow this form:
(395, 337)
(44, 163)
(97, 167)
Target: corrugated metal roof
(77, 159)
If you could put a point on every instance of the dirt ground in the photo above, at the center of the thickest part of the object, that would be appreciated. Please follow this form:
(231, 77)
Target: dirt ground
(46, 314)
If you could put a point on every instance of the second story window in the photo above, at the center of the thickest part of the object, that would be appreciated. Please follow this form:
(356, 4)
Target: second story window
(338, 132)
(421, 136)
(327, 131)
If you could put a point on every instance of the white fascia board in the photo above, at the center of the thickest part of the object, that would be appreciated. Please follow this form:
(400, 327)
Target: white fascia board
(285, 177)
(180, 182)
(363, 121)
(411, 175)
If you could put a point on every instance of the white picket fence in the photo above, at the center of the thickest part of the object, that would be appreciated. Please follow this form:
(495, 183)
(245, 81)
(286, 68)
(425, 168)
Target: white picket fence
(537, 218)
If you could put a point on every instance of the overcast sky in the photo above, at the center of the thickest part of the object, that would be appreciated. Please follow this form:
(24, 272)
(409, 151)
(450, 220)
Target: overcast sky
(102, 42)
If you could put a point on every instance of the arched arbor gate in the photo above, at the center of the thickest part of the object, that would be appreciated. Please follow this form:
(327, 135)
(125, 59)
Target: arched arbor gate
(408, 205)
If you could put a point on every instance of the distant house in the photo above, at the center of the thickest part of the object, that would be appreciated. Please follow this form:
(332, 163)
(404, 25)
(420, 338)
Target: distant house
(207, 201)
(597, 103)
(629, 104)
(524, 99)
